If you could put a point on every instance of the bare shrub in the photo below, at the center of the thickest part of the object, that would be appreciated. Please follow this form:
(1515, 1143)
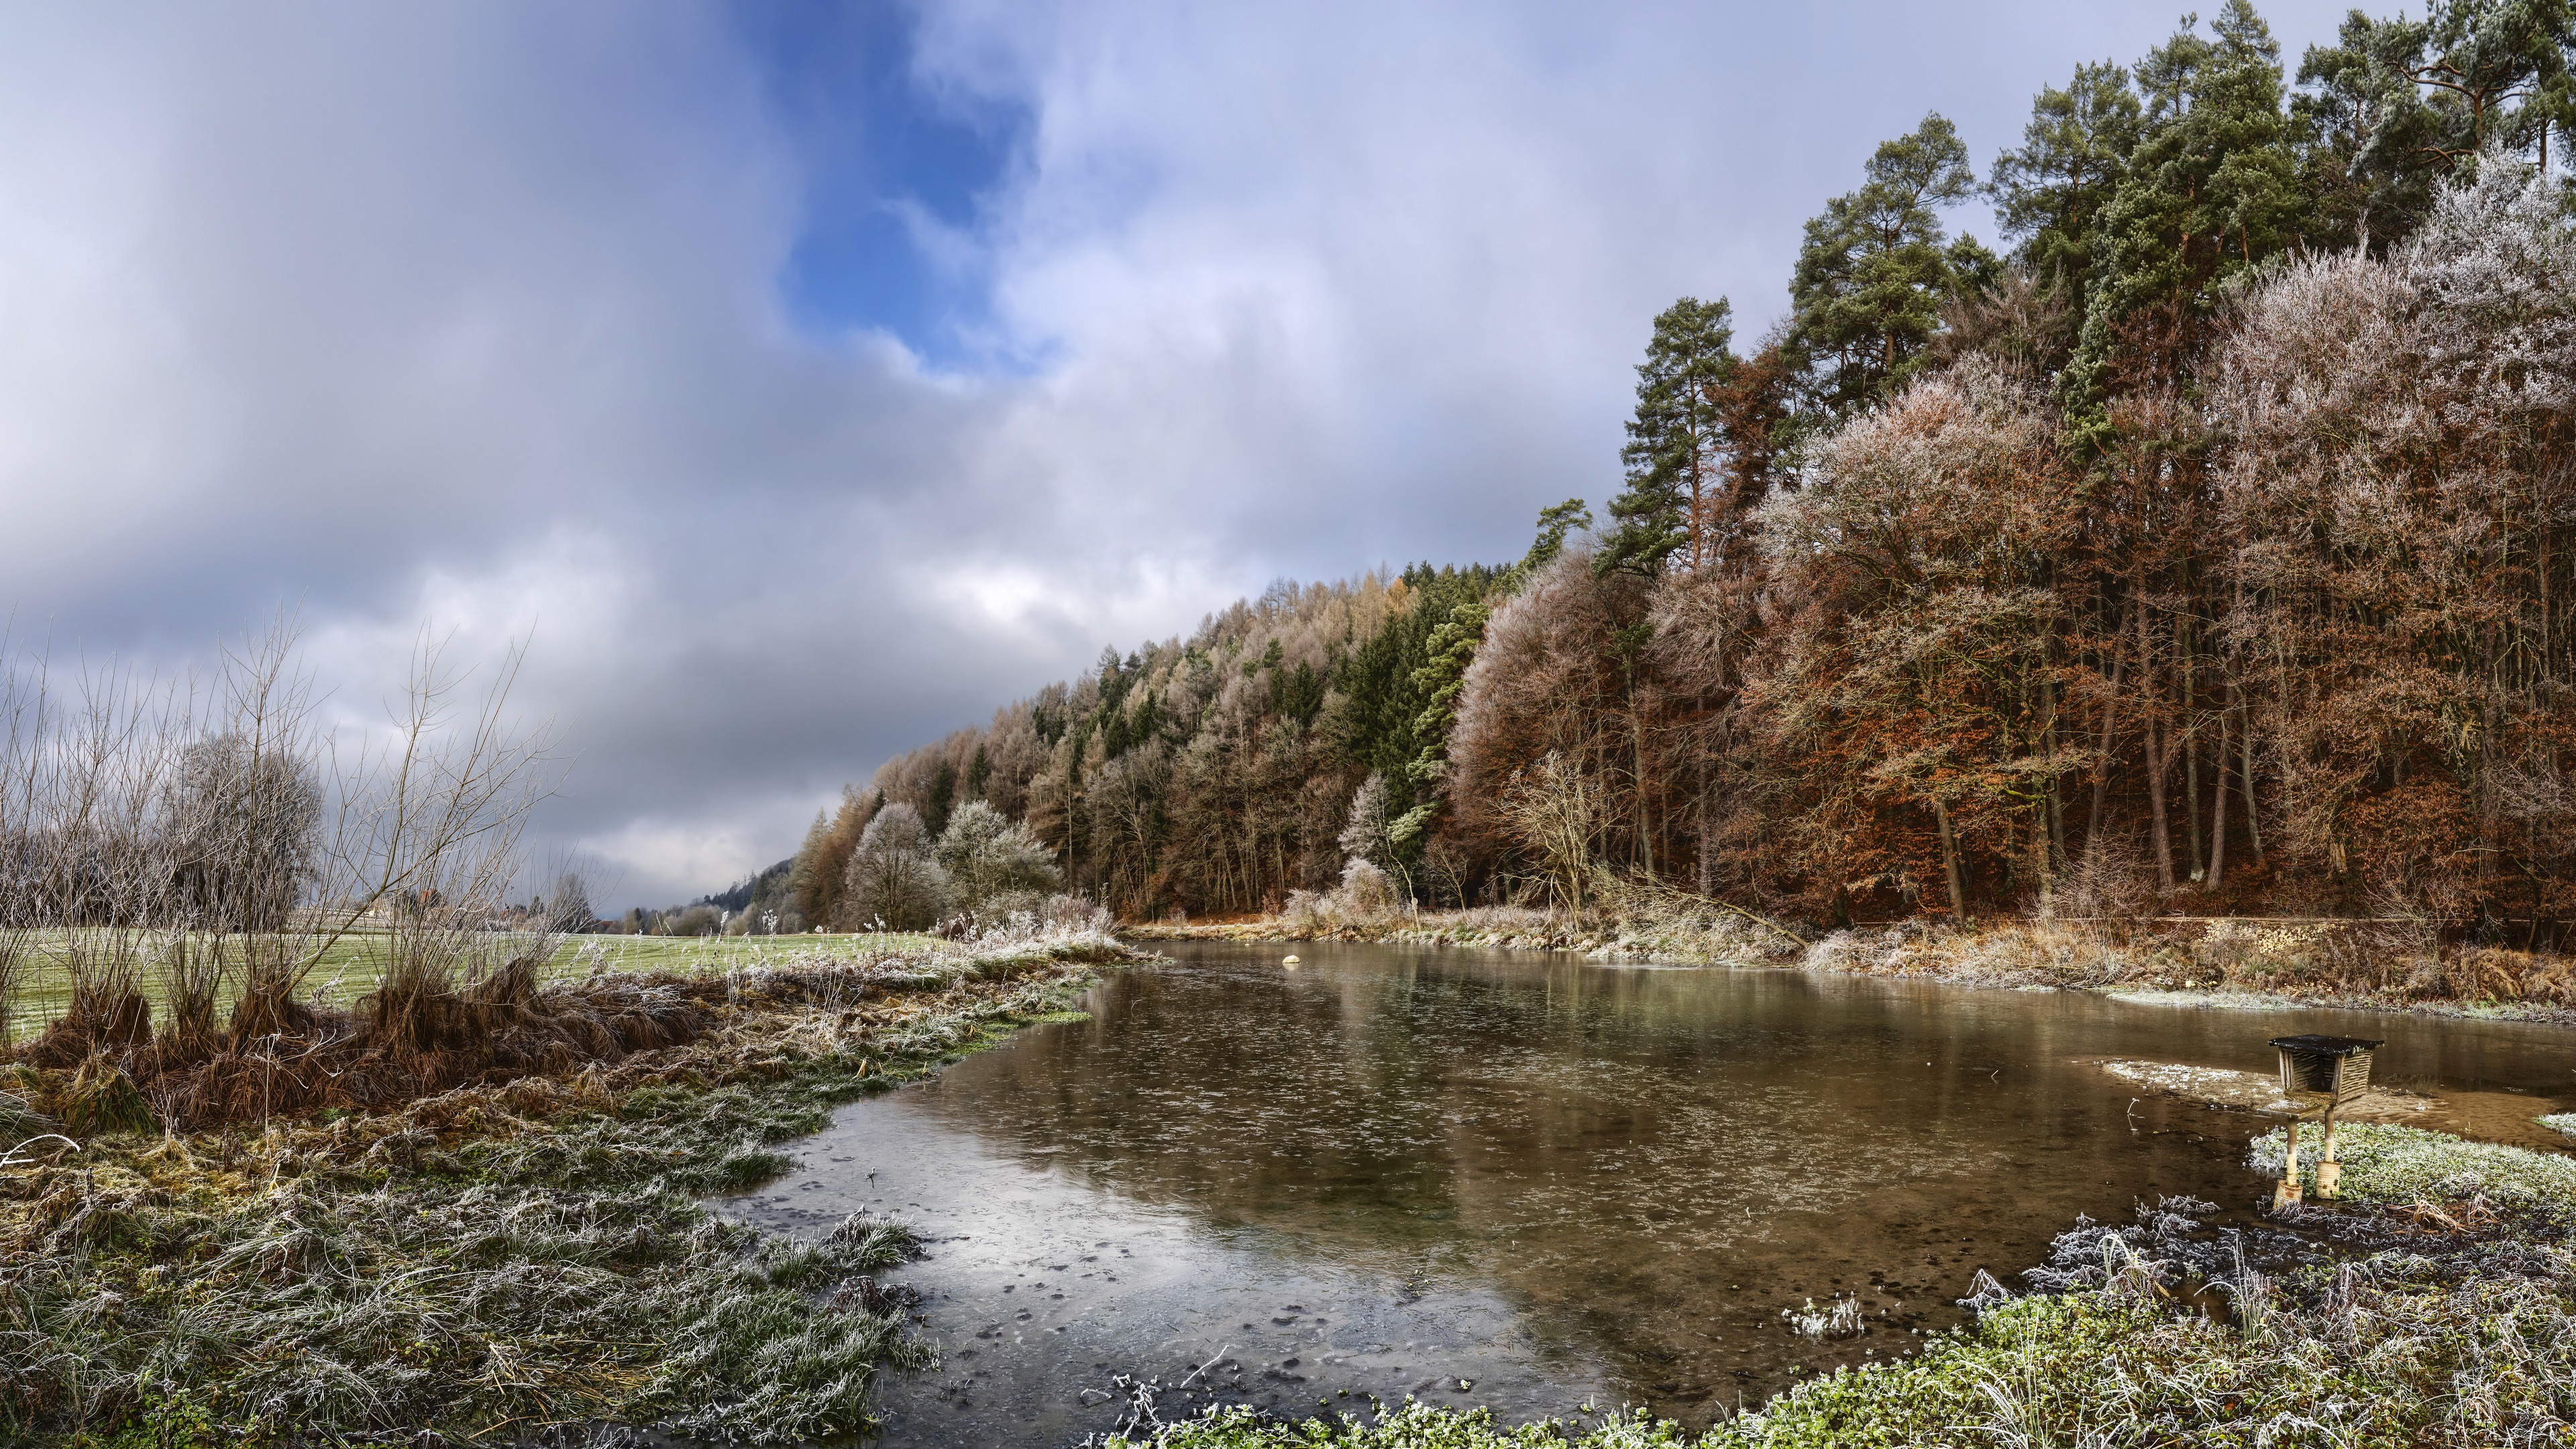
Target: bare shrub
(1553, 809)
(2108, 880)
(1365, 892)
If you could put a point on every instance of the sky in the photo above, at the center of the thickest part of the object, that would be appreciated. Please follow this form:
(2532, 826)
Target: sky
(800, 382)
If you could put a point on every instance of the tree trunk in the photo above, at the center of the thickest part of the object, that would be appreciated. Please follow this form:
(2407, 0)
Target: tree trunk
(1645, 831)
(2218, 808)
(2056, 804)
(1707, 846)
(2102, 758)
(2244, 703)
(2040, 847)
(1950, 863)
(2190, 747)
(2157, 761)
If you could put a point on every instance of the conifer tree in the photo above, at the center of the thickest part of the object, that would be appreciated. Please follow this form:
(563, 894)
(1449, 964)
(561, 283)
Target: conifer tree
(1675, 440)
(2073, 155)
(1876, 267)
(2211, 189)
(2396, 104)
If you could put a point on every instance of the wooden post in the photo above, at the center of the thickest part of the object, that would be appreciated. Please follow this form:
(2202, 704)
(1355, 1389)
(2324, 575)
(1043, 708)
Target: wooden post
(2288, 1192)
(2329, 1171)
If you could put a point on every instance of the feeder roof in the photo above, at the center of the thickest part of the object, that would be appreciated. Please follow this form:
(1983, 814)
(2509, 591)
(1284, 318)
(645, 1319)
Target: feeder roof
(2332, 1046)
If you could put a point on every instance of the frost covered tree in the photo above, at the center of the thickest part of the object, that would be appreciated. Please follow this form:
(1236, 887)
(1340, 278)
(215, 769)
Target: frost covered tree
(568, 905)
(245, 823)
(2400, 491)
(1909, 682)
(1369, 833)
(895, 880)
(988, 855)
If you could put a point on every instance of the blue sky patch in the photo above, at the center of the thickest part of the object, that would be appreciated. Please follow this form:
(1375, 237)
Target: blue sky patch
(898, 174)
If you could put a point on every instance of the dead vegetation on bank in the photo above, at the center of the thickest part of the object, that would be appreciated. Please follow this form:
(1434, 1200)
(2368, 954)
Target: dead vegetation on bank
(407, 1042)
(2398, 961)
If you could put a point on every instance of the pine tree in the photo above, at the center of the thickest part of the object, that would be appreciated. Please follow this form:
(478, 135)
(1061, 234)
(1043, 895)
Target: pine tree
(2395, 105)
(1675, 440)
(2212, 189)
(1554, 522)
(2073, 155)
(1876, 267)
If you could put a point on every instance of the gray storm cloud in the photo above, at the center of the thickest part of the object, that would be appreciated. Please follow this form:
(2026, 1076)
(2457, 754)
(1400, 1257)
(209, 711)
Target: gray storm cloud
(468, 316)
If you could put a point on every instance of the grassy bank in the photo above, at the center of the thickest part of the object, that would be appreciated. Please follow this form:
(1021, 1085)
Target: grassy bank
(503, 1259)
(2370, 964)
(2435, 1307)
(352, 965)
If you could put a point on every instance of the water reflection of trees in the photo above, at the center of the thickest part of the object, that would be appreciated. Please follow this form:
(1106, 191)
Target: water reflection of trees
(1654, 1160)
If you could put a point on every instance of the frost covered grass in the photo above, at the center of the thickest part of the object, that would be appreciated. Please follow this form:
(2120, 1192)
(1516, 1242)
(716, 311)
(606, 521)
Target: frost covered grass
(2442, 1312)
(1839, 1318)
(352, 966)
(496, 1262)
(2403, 1165)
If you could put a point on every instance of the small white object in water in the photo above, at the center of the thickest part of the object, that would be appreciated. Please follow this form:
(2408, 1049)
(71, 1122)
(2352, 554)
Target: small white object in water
(1291, 961)
(1839, 1318)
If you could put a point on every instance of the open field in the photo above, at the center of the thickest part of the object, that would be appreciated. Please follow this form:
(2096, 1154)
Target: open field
(348, 970)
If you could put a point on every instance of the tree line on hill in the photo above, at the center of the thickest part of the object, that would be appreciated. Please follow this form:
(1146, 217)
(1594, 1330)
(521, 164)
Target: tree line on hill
(2209, 550)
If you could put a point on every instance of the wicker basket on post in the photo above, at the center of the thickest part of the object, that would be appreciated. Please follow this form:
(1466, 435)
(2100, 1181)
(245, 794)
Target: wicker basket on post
(2336, 1068)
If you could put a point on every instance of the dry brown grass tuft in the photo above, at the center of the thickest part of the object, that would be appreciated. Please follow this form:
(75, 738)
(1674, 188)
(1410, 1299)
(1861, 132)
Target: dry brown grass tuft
(288, 1057)
(100, 1097)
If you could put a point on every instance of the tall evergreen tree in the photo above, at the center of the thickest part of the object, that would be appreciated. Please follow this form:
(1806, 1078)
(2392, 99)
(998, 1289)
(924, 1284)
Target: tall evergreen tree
(2396, 104)
(1876, 267)
(2211, 189)
(2049, 192)
(1675, 440)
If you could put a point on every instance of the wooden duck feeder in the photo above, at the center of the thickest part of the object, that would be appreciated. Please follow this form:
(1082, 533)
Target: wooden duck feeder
(2336, 1068)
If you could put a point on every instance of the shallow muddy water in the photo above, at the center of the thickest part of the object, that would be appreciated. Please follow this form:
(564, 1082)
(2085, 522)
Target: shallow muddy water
(1518, 1179)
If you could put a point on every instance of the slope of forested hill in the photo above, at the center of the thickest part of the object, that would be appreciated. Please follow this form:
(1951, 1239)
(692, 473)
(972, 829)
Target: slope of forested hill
(2211, 547)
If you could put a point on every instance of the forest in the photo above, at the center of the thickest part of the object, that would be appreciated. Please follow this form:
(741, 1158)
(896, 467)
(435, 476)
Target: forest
(2207, 551)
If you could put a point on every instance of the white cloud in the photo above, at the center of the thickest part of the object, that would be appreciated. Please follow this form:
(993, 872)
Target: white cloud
(468, 315)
